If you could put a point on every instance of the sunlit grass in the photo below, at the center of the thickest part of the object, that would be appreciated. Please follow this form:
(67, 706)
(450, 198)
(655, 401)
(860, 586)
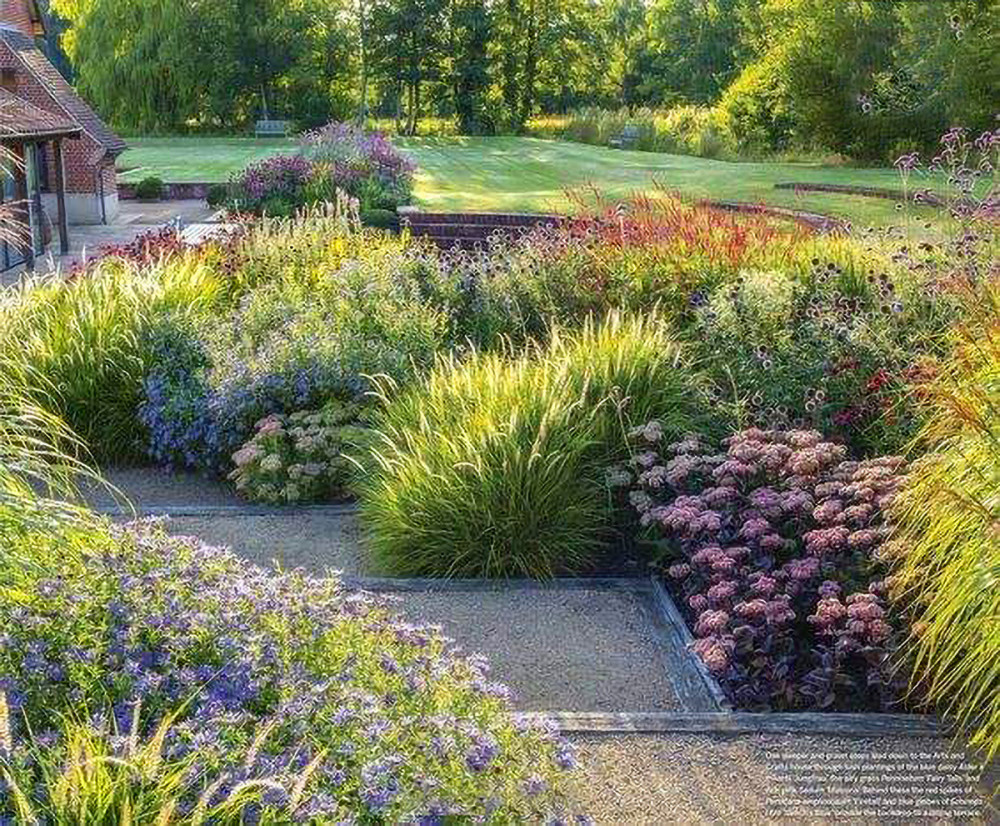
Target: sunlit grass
(947, 543)
(495, 466)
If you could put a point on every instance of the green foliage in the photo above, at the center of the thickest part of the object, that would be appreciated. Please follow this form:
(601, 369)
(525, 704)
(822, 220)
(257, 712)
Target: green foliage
(822, 348)
(756, 106)
(148, 66)
(85, 339)
(217, 195)
(150, 189)
(379, 218)
(303, 457)
(495, 466)
(947, 544)
(239, 694)
(38, 454)
(681, 130)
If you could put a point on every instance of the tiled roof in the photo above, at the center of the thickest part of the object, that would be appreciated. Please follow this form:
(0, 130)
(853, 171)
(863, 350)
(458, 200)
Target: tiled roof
(71, 103)
(20, 119)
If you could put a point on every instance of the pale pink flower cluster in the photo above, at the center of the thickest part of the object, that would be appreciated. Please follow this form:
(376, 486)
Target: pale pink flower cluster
(765, 531)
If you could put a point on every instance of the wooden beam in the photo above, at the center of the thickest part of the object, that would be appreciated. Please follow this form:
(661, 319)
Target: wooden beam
(61, 197)
(21, 196)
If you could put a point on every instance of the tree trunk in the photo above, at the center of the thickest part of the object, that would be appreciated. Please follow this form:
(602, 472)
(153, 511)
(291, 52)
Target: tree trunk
(530, 67)
(362, 48)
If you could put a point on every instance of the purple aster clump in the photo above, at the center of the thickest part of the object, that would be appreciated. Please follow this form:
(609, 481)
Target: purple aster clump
(773, 549)
(278, 177)
(365, 165)
(326, 704)
(362, 163)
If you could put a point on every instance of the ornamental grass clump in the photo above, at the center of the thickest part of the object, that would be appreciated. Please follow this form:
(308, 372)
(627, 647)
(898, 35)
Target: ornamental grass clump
(772, 546)
(302, 457)
(152, 678)
(493, 466)
(946, 544)
(86, 339)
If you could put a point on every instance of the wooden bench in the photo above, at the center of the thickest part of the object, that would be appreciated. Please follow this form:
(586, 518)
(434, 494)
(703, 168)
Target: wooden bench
(272, 128)
(626, 138)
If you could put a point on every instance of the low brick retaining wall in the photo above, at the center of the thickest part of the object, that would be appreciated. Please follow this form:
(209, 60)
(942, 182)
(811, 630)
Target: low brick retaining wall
(173, 192)
(466, 230)
(867, 191)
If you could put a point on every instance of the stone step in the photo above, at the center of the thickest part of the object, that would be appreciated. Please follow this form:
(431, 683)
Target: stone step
(415, 218)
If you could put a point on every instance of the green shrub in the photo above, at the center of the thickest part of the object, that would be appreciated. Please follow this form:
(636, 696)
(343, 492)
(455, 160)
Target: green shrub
(150, 189)
(380, 218)
(278, 207)
(683, 130)
(86, 339)
(217, 195)
(947, 543)
(757, 108)
(302, 457)
(495, 466)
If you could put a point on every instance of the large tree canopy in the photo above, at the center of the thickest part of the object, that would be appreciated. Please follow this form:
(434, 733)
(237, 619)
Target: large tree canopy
(858, 76)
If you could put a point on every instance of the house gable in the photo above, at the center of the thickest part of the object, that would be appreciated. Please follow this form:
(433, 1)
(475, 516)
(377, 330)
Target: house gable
(22, 47)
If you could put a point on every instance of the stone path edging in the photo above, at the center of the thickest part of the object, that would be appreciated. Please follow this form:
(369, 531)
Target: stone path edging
(227, 510)
(390, 584)
(741, 723)
(699, 684)
(868, 724)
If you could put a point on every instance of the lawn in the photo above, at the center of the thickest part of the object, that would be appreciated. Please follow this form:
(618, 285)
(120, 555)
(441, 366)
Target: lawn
(178, 160)
(533, 175)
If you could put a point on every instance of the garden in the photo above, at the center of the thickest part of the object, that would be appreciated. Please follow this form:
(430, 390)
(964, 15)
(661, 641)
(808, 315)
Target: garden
(794, 435)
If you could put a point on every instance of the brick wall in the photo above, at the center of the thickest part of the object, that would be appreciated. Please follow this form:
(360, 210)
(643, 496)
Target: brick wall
(15, 13)
(77, 153)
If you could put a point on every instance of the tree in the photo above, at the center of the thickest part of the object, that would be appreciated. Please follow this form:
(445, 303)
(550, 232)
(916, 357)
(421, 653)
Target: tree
(470, 31)
(407, 40)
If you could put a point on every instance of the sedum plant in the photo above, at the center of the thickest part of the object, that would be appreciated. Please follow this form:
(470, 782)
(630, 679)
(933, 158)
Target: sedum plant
(772, 546)
(302, 457)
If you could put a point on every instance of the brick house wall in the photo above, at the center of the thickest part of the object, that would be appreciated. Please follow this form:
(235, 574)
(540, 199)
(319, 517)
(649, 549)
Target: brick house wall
(88, 162)
(80, 171)
(16, 13)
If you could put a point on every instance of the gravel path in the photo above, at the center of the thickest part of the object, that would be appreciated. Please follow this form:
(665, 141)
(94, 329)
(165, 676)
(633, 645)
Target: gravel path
(315, 540)
(558, 650)
(640, 779)
(155, 487)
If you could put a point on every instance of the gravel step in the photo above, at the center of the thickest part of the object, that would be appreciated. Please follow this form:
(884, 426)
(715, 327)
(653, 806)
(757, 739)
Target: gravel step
(586, 650)
(640, 779)
(318, 541)
(155, 488)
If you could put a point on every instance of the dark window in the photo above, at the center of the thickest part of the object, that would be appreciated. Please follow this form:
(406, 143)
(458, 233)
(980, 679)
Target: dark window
(8, 79)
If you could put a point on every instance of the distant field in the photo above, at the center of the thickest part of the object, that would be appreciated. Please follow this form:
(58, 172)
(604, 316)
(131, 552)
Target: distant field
(533, 175)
